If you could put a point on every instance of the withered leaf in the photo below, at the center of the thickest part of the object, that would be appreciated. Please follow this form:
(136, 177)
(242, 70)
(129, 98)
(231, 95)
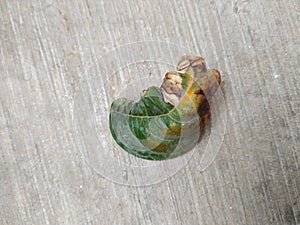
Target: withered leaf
(168, 121)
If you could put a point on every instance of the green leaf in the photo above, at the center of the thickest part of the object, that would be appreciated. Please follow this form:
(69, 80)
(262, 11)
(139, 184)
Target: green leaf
(153, 129)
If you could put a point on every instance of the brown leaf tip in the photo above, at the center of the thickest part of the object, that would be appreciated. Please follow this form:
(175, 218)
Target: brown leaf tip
(188, 62)
(171, 87)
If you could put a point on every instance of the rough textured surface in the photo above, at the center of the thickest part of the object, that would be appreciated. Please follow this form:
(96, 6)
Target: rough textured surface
(48, 51)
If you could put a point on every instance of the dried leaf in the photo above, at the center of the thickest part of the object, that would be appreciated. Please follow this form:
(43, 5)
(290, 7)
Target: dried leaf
(166, 121)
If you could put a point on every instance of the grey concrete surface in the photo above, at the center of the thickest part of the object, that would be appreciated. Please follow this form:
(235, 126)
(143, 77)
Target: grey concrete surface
(63, 62)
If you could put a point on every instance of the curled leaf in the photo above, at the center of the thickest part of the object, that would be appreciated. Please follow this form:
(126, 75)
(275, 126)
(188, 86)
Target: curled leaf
(168, 121)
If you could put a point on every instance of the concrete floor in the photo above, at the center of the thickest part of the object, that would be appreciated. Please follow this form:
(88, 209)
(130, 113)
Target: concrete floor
(64, 62)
